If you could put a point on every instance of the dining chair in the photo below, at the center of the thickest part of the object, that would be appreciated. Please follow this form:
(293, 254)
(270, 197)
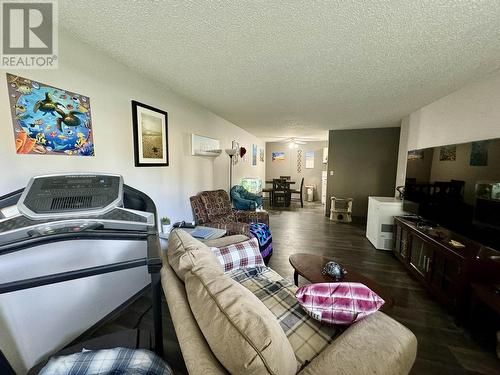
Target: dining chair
(269, 191)
(281, 189)
(300, 192)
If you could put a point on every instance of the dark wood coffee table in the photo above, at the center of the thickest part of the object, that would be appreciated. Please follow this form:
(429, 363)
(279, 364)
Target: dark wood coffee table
(309, 266)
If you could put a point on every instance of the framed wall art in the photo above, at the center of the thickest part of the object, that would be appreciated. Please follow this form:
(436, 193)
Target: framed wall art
(150, 135)
(479, 154)
(254, 154)
(205, 146)
(309, 156)
(448, 153)
(415, 154)
(277, 156)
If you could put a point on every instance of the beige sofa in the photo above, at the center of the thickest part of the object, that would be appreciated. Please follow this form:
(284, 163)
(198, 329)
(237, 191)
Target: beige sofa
(376, 345)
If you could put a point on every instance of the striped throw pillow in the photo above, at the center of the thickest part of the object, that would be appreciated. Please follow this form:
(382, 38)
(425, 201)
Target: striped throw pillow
(338, 303)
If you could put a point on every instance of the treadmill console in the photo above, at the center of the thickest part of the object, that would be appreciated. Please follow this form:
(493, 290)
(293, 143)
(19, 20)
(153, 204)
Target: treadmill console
(72, 204)
(71, 195)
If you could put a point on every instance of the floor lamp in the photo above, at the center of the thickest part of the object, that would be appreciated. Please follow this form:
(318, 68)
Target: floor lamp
(231, 152)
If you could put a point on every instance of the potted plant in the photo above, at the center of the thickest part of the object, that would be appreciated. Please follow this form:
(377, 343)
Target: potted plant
(165, 225)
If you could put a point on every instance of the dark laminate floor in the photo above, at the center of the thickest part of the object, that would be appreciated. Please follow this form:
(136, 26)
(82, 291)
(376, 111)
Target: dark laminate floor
(443, 347)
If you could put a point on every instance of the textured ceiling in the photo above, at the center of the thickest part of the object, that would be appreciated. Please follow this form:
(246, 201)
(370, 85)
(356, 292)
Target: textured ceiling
(298, 68)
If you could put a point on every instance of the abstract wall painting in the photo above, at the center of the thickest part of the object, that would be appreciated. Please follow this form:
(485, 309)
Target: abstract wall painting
(448, 153)
(261, 155)
(299, 160)
(415, 154)
(479, 154)
(150, 135)
(254, 154)
(277, 156)
(48, 120)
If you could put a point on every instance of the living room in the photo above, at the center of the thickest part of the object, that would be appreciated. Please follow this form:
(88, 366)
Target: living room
(268, 86)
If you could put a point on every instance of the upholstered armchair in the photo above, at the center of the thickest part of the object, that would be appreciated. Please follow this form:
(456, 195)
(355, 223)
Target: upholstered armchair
(213, 209)
(244, 200)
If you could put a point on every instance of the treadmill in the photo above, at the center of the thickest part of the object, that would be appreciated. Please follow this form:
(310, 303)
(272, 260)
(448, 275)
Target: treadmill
(95, 236)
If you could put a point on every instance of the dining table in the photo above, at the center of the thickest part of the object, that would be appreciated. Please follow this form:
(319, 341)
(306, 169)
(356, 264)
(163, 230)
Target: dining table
(289, 182)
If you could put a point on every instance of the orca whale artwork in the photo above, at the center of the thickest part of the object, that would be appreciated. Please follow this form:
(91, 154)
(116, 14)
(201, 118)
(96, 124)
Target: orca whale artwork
(49, 120)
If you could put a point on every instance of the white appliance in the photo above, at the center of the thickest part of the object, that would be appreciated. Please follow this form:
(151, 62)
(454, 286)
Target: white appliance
(324, 177)
(380, 224)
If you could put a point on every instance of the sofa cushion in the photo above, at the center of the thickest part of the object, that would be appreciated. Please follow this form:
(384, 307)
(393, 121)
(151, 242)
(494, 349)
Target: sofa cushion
(238, 255)
(307, 336)
(338, 303)
(242, 333)
(217, 206)
(376, 345)
(226, 240)
(185, 251)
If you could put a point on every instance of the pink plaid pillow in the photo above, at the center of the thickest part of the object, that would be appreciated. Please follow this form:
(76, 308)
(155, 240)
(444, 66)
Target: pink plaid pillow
(241, 254)
(338, 303)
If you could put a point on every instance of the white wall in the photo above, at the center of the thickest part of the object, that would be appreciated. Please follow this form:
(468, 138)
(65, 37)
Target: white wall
(111, 86)
(469, 114)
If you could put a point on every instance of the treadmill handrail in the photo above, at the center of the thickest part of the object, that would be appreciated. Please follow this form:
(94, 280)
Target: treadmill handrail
(98, 234)
(60, 277)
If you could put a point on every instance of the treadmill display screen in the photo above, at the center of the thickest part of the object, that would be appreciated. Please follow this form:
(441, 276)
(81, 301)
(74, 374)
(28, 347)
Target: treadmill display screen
(77, 183)
(46, 195)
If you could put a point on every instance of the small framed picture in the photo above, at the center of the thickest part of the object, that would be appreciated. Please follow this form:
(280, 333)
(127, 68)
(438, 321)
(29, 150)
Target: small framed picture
(150, 135)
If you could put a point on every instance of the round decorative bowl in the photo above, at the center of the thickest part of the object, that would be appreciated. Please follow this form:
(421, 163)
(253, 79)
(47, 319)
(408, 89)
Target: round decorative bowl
(334, 270)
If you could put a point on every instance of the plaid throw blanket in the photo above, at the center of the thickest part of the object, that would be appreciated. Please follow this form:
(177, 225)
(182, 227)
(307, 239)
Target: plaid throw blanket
(263, 234)
(307, 336)
(115, 361)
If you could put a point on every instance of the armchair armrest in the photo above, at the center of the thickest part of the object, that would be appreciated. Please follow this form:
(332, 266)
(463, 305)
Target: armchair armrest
(252, 217)
(231, 228)
(246, 204)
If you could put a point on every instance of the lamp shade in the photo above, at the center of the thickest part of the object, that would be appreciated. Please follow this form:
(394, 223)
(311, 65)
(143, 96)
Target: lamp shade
(231, 151)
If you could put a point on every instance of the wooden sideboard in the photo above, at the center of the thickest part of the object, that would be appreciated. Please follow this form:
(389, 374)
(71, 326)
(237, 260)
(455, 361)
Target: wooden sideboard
(445, 270)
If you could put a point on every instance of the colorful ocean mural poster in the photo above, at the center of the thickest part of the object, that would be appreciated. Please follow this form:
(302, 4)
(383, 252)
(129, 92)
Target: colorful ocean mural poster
(48, 120)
